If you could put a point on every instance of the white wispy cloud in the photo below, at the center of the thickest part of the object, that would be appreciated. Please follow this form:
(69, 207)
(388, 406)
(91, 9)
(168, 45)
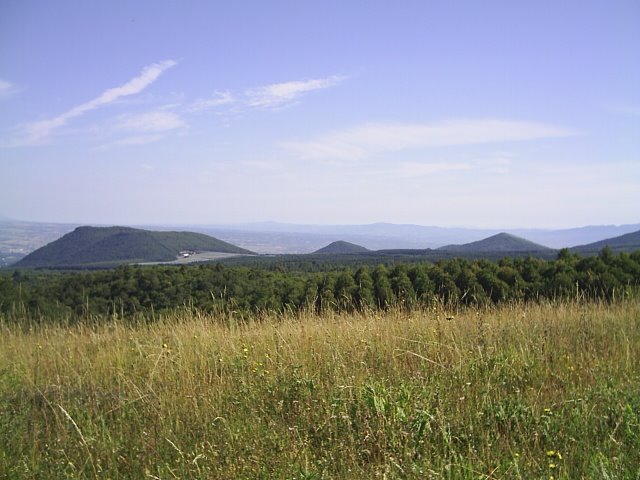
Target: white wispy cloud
(143, 128)
(264, 166)
(7, 88)
(371, 139)
(417, 169)
(217, 100)
(155, 121)
(129, 141)
(39, 131)
(279, 94)
(499, 164)
(263, 97)
(174, 116)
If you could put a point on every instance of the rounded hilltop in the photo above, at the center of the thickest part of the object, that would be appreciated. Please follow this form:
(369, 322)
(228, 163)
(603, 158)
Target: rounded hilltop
(501, 242)
(108, 246)
(342, 247)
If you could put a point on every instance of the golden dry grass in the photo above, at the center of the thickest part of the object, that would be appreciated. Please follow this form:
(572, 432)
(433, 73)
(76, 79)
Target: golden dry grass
(522, 391)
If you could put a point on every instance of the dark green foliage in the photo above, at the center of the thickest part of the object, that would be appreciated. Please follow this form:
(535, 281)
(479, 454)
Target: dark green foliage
(363, 295)
(402, 287)
(345, 288)
(128, 290)
(382, 288)
(422, 284)
(326, 297)
(445, 287)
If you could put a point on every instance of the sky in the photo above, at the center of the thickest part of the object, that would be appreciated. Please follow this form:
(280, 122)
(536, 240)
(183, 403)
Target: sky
(464, 113)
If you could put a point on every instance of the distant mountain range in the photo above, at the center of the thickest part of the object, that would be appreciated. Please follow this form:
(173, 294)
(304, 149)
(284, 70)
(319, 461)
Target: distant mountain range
(273, 237)
(107, 246)
(19, 238)
(496, 246)
(96, 247)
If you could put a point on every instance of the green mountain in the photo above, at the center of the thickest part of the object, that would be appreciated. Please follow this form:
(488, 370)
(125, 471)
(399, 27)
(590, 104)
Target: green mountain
(629, 242)
(500, 243)
(342, 247)
(103, 246)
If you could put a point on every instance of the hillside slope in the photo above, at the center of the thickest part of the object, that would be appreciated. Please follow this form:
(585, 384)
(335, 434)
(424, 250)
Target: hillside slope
(624, 243)
(87, 246)
(502, 242)
(342, 247)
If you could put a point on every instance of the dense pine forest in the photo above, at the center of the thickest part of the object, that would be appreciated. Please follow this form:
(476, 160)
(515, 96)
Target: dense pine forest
(277, 288)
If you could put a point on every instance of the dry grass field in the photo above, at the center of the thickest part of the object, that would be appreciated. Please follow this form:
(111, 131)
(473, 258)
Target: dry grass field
(544, 391)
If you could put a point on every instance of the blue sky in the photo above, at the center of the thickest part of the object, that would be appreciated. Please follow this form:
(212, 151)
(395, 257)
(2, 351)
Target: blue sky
(486, 114)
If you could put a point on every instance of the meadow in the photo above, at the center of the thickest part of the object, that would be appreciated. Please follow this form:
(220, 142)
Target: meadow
(547, 390)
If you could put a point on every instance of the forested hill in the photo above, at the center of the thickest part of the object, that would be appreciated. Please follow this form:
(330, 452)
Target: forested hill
(342, 247)
(624, 243)
(102, 246)
(502, 242)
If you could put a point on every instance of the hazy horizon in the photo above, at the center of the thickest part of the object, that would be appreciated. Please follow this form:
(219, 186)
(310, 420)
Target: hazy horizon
(282, 225)
(492, 115)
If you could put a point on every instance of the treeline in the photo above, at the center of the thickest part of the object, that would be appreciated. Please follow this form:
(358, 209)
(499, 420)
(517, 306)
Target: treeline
(217, 288)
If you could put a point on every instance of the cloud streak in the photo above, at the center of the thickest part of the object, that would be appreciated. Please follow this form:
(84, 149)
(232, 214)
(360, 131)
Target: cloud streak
(156, 121)
(416, 169)
(7, 88)
(217, 100)
(134, 140)
(143, 128)
(265, 97)
(280, 94)
(374, 139)
(37, 132)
